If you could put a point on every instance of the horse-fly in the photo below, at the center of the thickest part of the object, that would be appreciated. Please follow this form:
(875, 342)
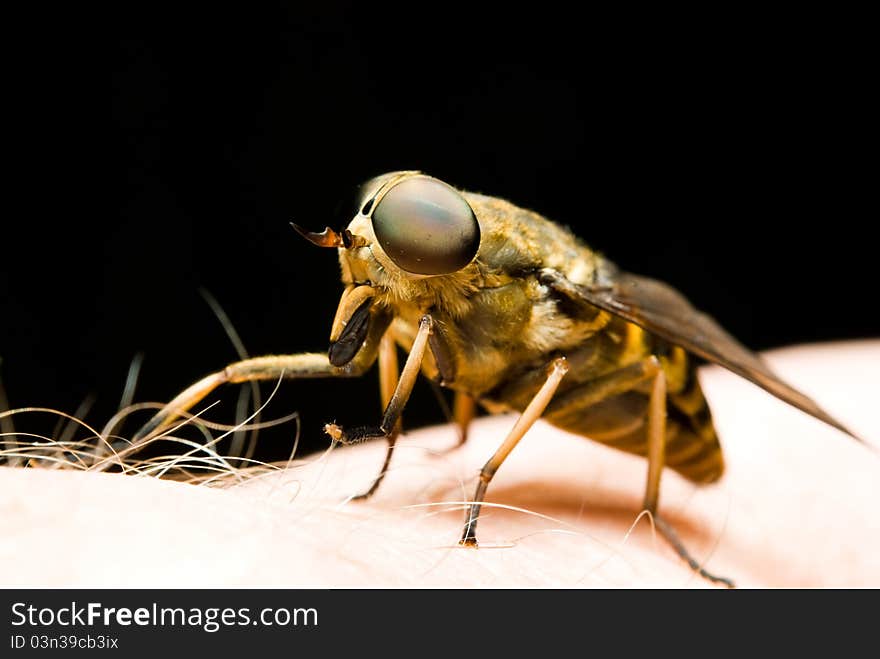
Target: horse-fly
(513, 312)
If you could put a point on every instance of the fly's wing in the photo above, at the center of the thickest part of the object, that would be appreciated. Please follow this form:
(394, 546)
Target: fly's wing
(660, 309)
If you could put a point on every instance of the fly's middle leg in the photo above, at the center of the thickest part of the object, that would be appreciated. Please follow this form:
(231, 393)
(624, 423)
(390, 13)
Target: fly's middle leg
(464, 409)
(532, 413)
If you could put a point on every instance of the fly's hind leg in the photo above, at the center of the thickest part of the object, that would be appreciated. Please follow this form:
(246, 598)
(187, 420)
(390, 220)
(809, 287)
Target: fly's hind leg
(656, 459)
(628, 378)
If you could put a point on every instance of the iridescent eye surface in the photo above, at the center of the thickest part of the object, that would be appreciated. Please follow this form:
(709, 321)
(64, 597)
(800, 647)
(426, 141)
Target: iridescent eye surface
(426, 227)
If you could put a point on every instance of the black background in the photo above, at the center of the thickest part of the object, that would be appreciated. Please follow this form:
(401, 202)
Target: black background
(157, 152)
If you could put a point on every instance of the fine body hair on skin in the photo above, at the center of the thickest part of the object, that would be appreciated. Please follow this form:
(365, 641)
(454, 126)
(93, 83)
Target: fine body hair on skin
(796, 507)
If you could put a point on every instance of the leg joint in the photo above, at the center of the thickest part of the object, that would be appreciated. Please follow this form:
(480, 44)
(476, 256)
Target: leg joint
(653, 365)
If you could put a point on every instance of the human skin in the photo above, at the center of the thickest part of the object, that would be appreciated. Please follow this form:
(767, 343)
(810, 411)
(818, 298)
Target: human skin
(796, 507)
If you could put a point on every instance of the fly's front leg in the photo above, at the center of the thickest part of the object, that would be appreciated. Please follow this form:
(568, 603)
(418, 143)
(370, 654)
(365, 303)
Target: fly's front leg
(398, 399)
(274, 367)
(532, 413)
(388, 379)
(307, 365)
(370, 330)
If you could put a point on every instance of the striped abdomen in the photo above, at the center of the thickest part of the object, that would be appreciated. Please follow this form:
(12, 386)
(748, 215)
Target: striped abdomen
(692, 446)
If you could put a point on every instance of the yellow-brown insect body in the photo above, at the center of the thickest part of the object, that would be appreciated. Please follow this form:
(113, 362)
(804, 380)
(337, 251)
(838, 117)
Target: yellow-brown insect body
(512, 310)
(503, 326)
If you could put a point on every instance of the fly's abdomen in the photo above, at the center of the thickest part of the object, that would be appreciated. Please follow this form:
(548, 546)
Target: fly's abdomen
(694, 451)
(692, 447)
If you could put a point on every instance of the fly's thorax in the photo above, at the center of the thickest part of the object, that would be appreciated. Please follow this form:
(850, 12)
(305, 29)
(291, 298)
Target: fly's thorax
(517, 240)
(505, 328)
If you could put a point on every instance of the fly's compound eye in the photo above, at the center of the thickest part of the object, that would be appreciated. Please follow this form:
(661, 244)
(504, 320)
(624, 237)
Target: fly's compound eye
(426, 227)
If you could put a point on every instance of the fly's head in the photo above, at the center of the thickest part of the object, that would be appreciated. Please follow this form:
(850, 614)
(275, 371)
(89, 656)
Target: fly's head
(411, 237)
(410, 246)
